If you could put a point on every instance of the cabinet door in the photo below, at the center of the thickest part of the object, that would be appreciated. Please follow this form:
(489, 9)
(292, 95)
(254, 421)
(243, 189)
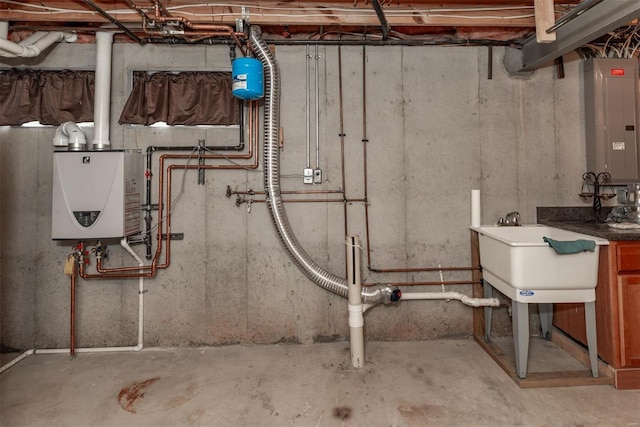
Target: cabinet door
(629, 300)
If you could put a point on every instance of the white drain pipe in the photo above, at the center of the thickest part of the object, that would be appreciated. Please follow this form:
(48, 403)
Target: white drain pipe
(4, 30)
(137, 347)
(356, 309)
(474, 302)
(33, 45)
(141, 292)
(102, 94)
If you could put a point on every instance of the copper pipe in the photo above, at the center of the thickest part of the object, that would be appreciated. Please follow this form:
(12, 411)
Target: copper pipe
(221, 30)
(72, 337)
(121, 272)
(342, 135)
(345, 201)
(116, 275)
(418, 269)
(251, 192)
(364, 153)
(305, 201)
(106, 271)
(446, 282)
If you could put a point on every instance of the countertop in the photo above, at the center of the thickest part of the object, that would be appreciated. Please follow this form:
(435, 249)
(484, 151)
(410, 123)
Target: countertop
(581, 220)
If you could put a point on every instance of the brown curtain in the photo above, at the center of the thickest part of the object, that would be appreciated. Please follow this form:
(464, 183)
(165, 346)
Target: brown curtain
(50, 97)
(187, 98)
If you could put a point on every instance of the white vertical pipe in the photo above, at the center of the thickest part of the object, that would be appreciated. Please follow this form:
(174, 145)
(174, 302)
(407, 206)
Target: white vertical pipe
(356, 318)
(141, 292)
(4, 30)
(475, 208)
(102, 96)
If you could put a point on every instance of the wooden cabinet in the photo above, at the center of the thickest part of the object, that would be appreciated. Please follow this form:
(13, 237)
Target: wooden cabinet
(617, 312)
(630, 320)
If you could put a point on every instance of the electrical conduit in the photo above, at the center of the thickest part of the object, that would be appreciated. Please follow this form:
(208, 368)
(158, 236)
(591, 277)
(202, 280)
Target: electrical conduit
(338, 285)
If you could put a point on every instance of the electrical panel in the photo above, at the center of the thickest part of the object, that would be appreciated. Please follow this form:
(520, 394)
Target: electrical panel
(612, 99)
(96, 194)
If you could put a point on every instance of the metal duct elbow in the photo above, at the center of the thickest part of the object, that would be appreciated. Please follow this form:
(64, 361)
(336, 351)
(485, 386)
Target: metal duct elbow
(331, 282)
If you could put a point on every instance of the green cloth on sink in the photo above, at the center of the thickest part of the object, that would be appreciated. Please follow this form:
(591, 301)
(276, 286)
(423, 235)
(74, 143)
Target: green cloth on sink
(570, 246)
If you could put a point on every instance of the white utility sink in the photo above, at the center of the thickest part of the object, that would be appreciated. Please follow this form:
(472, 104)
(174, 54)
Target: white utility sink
(517, 261)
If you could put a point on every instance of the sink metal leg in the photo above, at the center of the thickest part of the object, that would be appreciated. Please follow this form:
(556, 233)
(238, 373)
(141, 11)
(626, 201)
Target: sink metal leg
(592, 341)
(545, 311)
(488, 311)
(520, 322)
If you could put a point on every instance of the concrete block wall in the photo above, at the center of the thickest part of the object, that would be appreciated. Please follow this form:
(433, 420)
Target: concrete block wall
(436, 128)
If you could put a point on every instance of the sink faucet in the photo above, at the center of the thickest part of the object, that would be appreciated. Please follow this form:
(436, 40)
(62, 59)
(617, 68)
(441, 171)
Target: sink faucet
(512, 218)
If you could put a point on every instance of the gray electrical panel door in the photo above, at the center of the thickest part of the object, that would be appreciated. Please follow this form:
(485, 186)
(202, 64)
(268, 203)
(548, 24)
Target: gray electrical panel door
(611, 107)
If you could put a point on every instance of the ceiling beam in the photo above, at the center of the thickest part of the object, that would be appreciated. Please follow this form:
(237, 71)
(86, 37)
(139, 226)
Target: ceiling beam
(595, 22)
(545, 18)
(279, 13)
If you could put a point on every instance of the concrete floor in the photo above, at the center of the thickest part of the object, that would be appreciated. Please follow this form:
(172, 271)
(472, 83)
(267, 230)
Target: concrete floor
(443, 382)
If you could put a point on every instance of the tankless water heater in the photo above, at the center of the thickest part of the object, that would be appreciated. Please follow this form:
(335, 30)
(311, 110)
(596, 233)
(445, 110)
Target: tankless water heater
(96, 194)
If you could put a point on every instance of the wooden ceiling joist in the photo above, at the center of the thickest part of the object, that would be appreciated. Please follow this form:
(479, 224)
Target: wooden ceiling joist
(271, 13)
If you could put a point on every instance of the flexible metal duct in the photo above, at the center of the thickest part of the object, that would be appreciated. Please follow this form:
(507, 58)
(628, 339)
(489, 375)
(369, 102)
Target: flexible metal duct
(331, 282)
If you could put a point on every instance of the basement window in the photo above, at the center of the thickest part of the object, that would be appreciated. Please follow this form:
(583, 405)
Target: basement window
(190, 98)
(45, 97)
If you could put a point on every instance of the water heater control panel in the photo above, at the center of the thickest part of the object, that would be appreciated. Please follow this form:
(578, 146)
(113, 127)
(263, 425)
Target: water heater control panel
(96, 194)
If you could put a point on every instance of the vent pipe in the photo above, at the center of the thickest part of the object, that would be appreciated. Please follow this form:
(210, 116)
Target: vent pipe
(331, 282)
(4, 30)
(70, 135)
(102, 95)
(33, 45)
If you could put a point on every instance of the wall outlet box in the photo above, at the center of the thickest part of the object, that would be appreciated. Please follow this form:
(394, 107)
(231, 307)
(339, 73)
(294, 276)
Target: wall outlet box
(317, 176)
(307, 176)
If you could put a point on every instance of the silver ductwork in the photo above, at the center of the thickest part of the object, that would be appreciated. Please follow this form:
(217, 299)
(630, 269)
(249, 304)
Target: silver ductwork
(331, 282)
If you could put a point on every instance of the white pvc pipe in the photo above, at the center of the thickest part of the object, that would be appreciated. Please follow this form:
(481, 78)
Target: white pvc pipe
(34, 37)
(70, 133)
(102, 94)
(137, 347)
(474, 302)
(28, 47)
(16, 360)
(10, 49)
(4, 30)
(141, 292)
(356, 309)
